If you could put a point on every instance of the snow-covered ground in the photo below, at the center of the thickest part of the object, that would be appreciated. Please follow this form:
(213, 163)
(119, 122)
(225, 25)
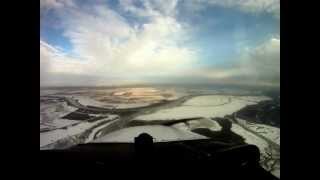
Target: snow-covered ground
(50, 137)
(158, 132)
(269, 132)
(95, 130)
(57, 123)
(213, 100)
(269, 155)
(50, 111)
(201, 123)
(88, 101)
(121, 98)
(139, 96)
(205, 106)
(51, 114)
(250, 138)
(45, 92)
(254, 99)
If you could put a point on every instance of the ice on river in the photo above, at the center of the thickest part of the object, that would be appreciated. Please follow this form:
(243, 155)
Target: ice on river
(158, 132)
(204, 106)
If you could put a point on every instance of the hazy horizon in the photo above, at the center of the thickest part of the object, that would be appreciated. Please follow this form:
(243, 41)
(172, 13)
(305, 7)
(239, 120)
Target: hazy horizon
(159, 85)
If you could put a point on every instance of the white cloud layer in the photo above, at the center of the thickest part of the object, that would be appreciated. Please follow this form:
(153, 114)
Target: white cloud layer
(109, 49)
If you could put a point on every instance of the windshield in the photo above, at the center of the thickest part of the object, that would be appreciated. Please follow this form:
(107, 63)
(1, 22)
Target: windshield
(175, 69)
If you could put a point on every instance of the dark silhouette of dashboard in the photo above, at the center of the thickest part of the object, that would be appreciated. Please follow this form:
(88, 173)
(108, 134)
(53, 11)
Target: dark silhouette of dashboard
(206, 155)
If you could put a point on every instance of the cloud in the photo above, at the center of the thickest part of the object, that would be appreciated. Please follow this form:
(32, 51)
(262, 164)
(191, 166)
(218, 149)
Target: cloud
(249, 6)
(55, 60)
(150, 8)
(256, 66)
(58, 68)
(108, 46)
(265, 59)
(48, 4)
(55, 4)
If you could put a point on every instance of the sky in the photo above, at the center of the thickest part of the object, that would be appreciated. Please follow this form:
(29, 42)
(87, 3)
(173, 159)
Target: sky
(114, 42)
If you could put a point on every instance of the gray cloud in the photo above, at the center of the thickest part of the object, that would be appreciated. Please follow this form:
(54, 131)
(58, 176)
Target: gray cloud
(256, 66)
(249, 6)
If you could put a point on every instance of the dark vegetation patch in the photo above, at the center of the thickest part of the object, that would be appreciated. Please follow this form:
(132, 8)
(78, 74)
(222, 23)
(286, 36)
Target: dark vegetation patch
(225, 135)
(265, 112)
(160, 122)
(77, 115)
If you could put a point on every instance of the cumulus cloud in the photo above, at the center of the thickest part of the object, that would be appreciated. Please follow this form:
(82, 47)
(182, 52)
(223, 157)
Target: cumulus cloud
(107, 39)
(108, 49)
